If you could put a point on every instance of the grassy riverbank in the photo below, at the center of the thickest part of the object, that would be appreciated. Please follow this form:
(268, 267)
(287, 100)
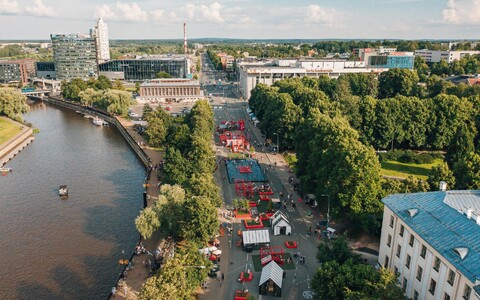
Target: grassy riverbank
(8, 130)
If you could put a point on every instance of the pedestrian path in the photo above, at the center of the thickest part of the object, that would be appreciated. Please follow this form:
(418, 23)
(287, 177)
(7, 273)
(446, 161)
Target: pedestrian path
(134, 277)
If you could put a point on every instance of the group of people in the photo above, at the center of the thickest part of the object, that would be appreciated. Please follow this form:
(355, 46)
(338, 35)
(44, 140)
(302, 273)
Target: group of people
(140, 249)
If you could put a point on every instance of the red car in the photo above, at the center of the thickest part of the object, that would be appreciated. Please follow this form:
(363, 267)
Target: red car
(168, 108)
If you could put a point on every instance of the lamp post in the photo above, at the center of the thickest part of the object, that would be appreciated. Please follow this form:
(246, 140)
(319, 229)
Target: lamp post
(278, 143)
(328, 209)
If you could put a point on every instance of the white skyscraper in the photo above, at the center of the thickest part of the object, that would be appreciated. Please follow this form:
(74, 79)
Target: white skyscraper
(100, 33)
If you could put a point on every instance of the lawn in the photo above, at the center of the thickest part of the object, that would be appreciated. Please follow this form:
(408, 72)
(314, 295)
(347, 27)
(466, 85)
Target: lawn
(403, 170)
(7, 130)
(257, 264)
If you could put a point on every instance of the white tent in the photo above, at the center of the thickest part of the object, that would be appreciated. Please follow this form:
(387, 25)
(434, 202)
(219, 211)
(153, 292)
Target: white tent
(255, 238)
(271, 280)
(280, 224)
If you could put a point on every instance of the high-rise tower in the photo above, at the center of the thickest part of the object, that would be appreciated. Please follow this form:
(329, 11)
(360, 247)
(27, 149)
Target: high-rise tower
(185, 38)
(100, 34)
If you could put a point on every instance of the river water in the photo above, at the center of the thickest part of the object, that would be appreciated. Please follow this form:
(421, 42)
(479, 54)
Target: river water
(67, 249)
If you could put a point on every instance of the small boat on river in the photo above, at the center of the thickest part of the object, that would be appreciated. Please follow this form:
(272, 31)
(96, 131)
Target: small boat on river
(63, 191)
(5, 170)
(99, 122)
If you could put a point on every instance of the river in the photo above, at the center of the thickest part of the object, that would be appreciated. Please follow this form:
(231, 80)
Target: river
(67, 249)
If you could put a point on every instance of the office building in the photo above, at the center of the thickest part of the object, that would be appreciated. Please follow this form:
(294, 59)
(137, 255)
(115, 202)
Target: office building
(171, 89)
(146, 67)
(400, 60)
(433, 56)
(432, 240)
(46, 69)
(74, 55)
(12, 71)
(268, 71)
(100, 34)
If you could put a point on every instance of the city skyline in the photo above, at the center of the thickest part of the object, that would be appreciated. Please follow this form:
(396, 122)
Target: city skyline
(245, 19)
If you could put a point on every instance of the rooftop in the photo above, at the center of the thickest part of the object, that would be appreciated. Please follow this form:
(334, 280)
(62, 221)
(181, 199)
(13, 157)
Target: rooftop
(446, 220)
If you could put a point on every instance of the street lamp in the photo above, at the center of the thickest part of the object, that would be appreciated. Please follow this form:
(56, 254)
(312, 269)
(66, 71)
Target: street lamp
(278, 143)
(328, 209)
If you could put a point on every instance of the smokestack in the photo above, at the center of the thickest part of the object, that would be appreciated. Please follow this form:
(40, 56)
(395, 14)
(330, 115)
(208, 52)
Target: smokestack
(185, 38)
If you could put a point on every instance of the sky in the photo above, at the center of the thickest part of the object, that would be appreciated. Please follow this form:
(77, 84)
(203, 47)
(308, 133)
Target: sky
(245, 19)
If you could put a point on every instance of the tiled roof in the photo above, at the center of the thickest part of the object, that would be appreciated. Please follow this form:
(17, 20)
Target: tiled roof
(441, 221)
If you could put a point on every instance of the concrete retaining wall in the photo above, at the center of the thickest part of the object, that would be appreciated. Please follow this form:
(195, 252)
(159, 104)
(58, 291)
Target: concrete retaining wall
(16, 144)
(107, 117)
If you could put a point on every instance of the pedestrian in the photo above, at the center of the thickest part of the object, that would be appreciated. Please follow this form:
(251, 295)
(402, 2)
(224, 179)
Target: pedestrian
(125, 290)
(223, 276)
(114, 291)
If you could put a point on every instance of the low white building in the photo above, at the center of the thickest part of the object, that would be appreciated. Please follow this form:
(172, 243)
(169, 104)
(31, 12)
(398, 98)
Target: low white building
(280, 224)
(432, 240)
(433, 56)
(171, 89)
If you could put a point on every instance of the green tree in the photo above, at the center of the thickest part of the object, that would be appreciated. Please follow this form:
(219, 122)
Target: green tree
(13, 103)
(467, 172)
(439, 173)
(137, 87)
(204, 185)
(163, 74)
(337, 250)
(201, 215)
(147, 222)
(440, 68)
(176, 167)
(397, 81)
(461, 144)
(90, 96)
(103, 83)
(421, 67)
(116, 102)
(118, 85)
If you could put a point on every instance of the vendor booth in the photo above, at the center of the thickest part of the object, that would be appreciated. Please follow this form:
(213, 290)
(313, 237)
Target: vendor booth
(255, 239)
(271, 280)
(280, 224)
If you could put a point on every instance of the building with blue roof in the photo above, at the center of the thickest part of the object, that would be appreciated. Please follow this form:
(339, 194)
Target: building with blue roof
(432, 240)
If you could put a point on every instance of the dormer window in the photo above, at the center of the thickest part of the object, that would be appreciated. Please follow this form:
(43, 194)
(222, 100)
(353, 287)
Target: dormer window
(461, 252)
(412, 212)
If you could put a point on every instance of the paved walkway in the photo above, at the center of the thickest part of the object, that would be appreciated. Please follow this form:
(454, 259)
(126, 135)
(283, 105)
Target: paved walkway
(135, 277)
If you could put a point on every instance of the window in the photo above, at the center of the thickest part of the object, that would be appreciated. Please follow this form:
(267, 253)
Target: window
(423, 252)
(466, 292)
(433, 286)
(451, 277)
(412, 239)
(446, 297)
(402, 230)
(389, 240)
(407, 263)
(419, 273)
(392, 219)
(396, 270)
(436, 264)
(399, 250)
(404, 284)
(386, 261)
(415, 295)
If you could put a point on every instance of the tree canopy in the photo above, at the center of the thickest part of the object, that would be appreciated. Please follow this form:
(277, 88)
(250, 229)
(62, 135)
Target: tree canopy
(13, 103)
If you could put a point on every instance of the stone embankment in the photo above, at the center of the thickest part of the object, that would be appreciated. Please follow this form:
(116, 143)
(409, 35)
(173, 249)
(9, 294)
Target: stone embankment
(12, 147)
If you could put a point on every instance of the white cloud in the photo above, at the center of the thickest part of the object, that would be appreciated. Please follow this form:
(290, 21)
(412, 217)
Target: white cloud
(8, 7)
(132, 12)
(40, 10)
(158, 15)
(462, 12)
(105, 12)
(321, 15)
(204, 13)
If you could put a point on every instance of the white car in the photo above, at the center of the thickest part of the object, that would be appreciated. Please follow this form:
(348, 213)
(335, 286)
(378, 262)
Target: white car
(133, 115)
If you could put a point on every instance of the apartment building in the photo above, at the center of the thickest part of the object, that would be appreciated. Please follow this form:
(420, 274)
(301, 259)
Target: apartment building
(433, 56)
(432, 240)
(12, 71)
(75, 56)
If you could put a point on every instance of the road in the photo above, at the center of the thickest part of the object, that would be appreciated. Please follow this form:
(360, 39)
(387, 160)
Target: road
(227, 106)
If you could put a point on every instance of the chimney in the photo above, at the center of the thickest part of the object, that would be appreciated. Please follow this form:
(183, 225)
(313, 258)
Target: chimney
(469, 213)
(185, 38)
(443, 186)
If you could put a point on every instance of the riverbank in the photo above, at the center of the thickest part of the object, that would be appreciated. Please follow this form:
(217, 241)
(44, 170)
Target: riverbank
(14, 145)
(134, 278)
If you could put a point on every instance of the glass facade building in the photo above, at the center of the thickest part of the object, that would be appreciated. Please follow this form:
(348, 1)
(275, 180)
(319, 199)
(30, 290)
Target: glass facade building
(391, 61)
(74, 55)
(146, 68)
